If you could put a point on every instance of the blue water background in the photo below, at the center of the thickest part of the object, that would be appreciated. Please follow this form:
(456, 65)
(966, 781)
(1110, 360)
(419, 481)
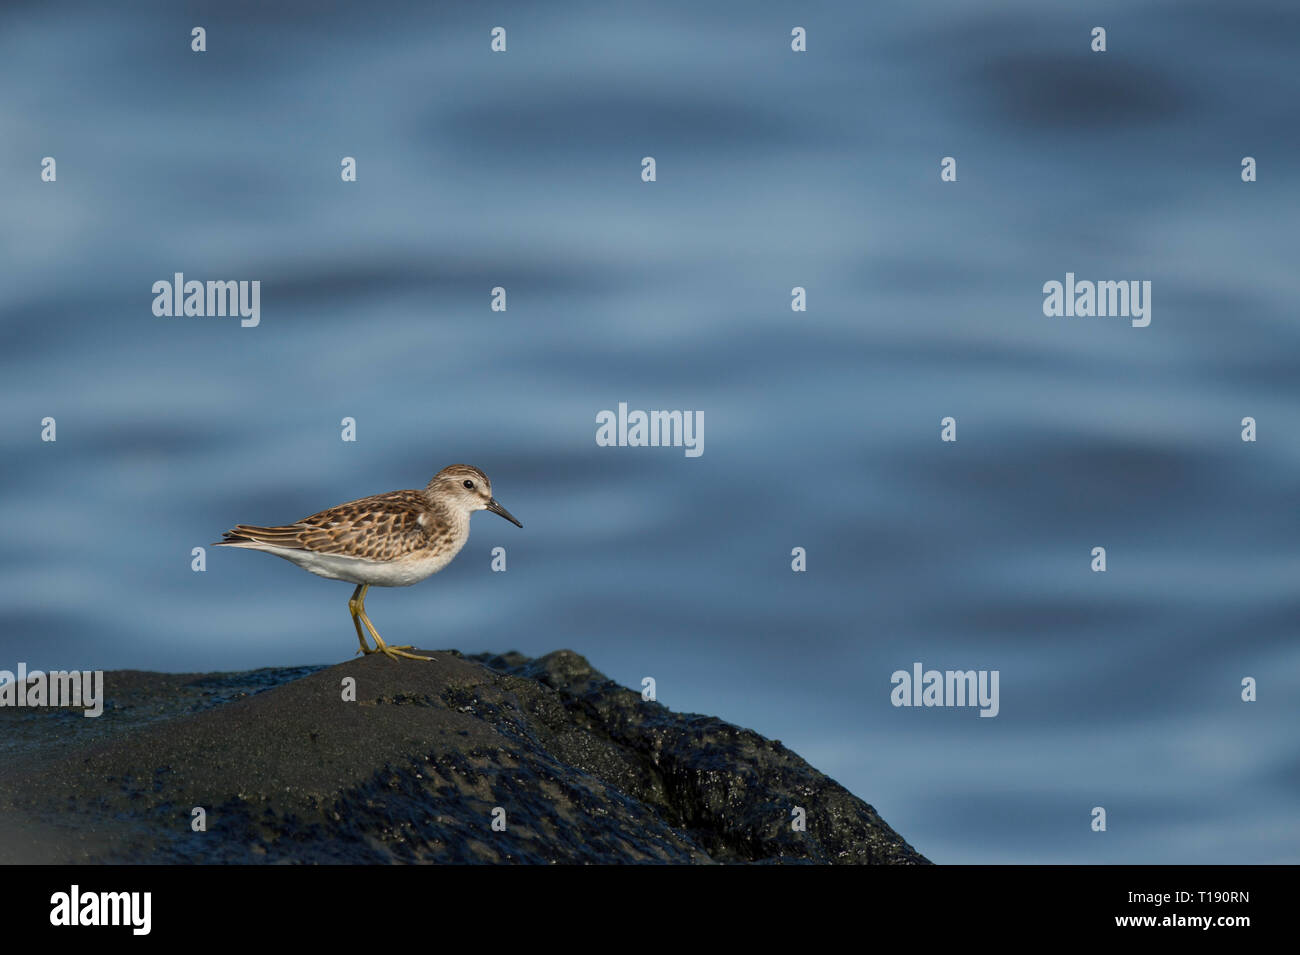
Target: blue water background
(821, 429)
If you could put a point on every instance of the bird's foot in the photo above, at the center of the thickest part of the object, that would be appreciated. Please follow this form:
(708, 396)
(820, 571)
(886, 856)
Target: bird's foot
(394, 652)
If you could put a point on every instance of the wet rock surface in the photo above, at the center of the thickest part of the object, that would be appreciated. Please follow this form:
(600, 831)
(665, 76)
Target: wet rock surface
(286, 770)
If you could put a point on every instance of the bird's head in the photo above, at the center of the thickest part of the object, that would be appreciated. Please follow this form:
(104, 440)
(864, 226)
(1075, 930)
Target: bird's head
(468, 489)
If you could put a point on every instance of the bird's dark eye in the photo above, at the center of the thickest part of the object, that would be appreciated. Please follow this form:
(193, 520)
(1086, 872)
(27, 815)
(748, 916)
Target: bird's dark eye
(470, 485)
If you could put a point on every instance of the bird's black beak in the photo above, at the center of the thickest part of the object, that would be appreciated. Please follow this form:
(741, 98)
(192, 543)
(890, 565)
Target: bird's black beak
(496, 508)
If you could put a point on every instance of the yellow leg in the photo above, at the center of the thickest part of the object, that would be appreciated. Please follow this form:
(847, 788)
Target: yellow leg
(359, 612)
(355, 604)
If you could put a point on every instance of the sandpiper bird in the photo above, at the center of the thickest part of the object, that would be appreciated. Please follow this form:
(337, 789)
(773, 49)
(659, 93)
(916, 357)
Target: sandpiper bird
(389, 540)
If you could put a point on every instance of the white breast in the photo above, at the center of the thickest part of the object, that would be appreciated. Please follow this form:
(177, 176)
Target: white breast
(358, 571)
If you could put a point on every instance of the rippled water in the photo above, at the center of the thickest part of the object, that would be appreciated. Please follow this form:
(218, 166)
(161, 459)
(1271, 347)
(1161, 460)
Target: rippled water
(821, 428)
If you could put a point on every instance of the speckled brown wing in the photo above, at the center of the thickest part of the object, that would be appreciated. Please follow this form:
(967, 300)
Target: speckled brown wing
(383, 527)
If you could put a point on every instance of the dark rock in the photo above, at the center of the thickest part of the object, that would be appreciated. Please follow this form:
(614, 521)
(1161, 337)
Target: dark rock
(412, 771)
